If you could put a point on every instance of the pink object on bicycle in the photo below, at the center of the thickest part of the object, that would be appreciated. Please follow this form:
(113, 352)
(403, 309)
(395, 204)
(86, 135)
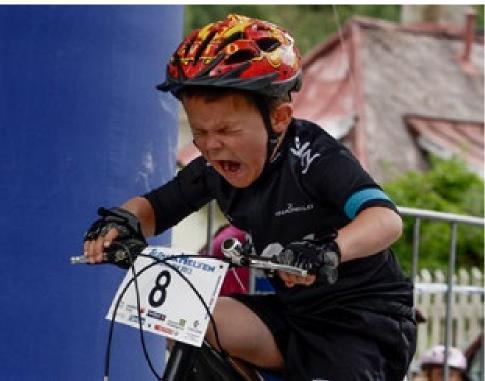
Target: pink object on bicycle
(231, 282)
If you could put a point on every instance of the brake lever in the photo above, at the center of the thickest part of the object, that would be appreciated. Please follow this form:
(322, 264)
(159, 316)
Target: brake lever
(234, 251)
(268, 264)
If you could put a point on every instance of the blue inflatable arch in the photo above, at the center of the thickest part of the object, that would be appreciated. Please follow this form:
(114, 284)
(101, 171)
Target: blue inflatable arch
(81, 125)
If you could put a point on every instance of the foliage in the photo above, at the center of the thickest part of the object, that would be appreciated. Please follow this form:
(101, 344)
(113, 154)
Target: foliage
(447, 187)
(309, 24)
(480, 15)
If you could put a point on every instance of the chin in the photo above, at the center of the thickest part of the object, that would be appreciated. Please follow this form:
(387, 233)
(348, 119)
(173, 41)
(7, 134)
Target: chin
(243, 183)
(240, 182)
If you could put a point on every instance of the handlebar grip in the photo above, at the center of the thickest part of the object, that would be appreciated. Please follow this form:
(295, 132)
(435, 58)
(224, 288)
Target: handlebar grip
(78, 260)
(319, 259)
(120, 253)
(83, 260)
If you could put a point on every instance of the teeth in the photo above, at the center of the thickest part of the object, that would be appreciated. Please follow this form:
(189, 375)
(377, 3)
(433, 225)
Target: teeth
(229, 166)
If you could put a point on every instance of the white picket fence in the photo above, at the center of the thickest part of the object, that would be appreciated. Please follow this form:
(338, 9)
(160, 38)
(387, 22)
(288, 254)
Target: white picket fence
(467, 308)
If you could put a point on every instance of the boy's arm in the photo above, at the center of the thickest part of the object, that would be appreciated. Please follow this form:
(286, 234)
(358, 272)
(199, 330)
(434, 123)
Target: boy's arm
(373, 230)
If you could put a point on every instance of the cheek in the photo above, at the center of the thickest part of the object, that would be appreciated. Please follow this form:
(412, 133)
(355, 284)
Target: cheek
(254, 150)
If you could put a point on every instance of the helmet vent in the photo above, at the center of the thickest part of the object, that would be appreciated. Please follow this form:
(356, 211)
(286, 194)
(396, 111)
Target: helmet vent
(233, 37)
(268, 44)
(242, 55)
(203, 45)
(188, 45)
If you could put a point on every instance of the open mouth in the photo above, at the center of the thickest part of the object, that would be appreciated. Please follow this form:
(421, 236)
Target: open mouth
(229, 166)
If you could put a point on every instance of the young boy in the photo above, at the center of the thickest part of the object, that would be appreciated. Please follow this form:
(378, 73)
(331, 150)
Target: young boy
(433, 359)
(289, 185)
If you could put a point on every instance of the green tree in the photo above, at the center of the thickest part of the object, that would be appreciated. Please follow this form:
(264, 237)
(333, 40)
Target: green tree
(448, 187)
(309, 24)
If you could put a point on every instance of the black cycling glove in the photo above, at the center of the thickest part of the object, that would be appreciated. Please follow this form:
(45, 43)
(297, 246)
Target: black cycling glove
(319, 258)
(129, 234)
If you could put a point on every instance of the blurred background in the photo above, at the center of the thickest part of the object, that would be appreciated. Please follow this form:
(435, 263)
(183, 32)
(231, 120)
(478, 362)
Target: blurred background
(313, 24)
(82, 126)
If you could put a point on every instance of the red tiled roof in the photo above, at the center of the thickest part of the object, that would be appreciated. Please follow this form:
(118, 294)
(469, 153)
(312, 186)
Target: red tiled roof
(327, 69)
(462, 138)
(344, 79)
(330, 95)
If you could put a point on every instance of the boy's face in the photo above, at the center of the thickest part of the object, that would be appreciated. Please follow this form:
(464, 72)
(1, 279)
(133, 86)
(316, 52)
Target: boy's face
(231, 135)
(436, 374)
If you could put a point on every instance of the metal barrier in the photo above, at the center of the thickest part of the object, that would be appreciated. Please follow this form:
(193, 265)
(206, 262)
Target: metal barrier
(418, 215)
(453, 220)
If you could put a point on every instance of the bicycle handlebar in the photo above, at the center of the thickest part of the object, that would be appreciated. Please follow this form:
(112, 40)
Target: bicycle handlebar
(232, 250)
(82, 259)
(114, 257)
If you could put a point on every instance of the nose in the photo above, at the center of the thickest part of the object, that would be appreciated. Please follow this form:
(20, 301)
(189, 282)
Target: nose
(211, 142)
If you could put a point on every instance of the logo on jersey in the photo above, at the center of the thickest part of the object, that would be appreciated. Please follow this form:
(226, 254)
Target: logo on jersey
(304, 153)
(293, 209)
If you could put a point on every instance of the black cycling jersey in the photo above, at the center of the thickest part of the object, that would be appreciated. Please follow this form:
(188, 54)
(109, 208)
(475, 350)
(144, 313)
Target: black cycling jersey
(314, 186)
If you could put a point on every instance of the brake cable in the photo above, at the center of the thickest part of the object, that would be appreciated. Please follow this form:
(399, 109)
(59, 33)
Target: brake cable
(134, 280)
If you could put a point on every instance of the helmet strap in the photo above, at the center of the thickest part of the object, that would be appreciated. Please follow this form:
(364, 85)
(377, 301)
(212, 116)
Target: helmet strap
(273, 138)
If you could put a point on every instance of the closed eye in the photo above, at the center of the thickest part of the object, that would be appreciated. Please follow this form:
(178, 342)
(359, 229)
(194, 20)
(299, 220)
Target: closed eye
(198, 132)
(224, 131)
(228, 130)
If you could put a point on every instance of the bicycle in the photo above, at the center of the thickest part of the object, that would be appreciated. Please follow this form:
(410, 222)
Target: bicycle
(188, 362)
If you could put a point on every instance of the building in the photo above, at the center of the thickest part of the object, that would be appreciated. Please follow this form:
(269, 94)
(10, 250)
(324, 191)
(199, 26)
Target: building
(392, 93)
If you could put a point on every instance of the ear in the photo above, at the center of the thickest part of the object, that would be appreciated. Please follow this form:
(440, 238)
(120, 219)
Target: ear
(281, 117)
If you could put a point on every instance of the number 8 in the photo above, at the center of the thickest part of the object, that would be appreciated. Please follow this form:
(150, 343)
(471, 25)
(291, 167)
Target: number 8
(161, 288)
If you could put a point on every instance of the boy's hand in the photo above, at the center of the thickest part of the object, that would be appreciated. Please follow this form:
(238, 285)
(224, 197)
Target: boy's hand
(321, 259)
(115, 223)
(291, 280)
(95, 247)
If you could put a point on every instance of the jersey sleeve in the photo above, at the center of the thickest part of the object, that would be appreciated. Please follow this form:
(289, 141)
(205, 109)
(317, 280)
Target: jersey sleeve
(337, 178)
(184, 194)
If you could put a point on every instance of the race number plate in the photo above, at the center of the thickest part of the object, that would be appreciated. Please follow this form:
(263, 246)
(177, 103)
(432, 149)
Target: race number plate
(169, 306)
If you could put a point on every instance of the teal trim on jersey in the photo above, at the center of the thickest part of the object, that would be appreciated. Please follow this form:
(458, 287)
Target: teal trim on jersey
(355, 201)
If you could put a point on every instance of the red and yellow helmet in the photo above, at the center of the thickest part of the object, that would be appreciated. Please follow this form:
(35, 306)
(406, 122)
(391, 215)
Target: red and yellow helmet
(237, 52)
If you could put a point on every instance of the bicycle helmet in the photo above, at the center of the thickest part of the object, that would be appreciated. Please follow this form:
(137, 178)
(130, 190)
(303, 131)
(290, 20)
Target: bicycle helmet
(436, 356)
(239, 53)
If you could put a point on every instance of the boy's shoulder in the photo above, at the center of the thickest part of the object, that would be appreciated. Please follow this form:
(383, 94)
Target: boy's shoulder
(306, 135)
